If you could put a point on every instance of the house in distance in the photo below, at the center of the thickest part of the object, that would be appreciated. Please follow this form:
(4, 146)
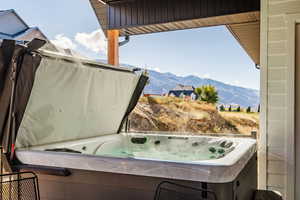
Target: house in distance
(183, 91)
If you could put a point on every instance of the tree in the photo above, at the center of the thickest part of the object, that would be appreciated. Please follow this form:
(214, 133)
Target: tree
(229, 109)
(258, 109)
(222, 108)
(198, 92)
(238, 109)
(248, 109)
(207, 93)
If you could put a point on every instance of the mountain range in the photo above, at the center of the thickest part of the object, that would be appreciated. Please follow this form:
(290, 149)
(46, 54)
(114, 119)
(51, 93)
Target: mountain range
(161, 83)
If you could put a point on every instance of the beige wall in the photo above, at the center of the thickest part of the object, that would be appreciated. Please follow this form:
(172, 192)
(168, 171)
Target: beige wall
(297, 137)
(277, 96)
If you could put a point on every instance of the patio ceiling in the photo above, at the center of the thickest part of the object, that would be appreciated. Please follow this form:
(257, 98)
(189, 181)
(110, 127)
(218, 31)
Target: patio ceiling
(193, 23)
(133, 17)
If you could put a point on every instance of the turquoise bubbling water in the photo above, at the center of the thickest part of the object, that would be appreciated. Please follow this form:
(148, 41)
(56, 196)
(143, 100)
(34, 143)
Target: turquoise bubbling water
(169, 148)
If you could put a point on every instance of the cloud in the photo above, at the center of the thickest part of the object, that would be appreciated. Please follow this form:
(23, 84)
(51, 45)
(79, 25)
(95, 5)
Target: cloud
(63, 42)
(94, 41)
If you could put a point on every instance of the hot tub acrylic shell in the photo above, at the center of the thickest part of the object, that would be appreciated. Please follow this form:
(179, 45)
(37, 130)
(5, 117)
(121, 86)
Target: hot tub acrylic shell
(224, 169)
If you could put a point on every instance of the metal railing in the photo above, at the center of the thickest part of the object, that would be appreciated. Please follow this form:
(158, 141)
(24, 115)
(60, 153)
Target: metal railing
(18, 186)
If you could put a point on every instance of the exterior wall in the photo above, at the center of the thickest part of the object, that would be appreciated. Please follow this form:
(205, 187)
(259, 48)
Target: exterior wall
(277, 97)
(297, 109)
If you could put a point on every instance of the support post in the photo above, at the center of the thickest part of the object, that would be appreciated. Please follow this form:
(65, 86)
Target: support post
(113, 47)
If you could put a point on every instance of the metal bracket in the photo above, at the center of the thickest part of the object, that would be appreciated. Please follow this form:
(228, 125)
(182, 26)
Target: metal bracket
(127, 39)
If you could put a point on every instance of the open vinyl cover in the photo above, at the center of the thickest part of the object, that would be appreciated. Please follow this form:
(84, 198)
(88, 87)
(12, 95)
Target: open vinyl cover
(71, 100)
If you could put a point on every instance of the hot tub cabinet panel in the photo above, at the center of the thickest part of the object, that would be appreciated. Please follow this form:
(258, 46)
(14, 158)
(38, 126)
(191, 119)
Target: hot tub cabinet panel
(83, 185)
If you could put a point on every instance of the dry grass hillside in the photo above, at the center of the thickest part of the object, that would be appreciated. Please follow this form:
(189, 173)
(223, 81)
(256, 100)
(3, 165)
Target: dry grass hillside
(179, 115)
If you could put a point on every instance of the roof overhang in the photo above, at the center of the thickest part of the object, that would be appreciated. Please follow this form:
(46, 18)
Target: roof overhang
(135, 17)
(242, 18)
(101, 12)
(115, 1)
(248, 35)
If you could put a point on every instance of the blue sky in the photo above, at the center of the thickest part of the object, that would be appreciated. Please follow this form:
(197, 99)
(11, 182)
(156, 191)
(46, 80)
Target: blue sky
(205, 52)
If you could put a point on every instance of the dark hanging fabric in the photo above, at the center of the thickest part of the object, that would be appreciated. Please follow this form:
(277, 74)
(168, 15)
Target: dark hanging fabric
(24, 83)
(18, 65)
(6, 72)
(134, 99)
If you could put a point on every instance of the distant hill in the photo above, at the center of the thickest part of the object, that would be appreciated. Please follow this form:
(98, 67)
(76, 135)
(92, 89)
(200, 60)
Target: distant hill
(161, 83)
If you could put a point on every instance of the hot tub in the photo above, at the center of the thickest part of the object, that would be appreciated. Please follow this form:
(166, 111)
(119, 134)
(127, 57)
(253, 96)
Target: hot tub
(216, 163)
(73, 123)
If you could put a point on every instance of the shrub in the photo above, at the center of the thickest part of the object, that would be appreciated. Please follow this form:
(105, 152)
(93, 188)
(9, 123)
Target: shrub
(222, 108)
(248, 109)
(207, 93)
(198, 91)
(238, 109)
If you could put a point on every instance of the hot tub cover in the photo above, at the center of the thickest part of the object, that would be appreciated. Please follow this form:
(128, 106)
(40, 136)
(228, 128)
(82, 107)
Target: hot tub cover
(73, 100)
